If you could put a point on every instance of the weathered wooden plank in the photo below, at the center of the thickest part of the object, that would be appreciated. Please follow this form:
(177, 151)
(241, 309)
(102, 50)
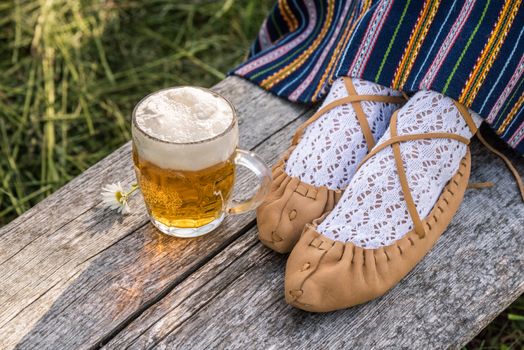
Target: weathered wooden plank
(70, 280)
(475, 271)
(82, 193)
(94, 275)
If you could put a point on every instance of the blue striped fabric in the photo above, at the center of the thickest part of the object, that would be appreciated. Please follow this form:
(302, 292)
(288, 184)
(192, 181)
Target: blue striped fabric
(470, 50)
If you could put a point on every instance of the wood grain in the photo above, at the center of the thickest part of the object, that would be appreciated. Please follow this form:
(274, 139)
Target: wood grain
(72, 281)
(75, 276)
(472, 274)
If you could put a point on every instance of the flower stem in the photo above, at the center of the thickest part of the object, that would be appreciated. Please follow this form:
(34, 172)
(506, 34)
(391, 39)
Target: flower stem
(133, 188)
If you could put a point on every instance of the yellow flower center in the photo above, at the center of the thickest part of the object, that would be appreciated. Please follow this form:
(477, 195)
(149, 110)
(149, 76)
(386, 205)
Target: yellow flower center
(119, 196)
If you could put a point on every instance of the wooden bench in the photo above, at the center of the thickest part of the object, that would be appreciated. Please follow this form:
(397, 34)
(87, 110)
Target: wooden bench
(77, 276)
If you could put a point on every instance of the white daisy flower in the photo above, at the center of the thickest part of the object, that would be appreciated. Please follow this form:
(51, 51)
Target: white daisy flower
(114, 197)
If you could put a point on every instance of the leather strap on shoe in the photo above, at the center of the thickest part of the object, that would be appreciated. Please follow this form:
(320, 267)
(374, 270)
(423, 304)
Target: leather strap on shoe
(467, 117)
(396, 139)
(464, 112)
(359, 112)
(404, 138)
(394, 143)
(355, 100)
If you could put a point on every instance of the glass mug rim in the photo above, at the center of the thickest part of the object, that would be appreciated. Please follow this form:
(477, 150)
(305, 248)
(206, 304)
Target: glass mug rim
(234, 119)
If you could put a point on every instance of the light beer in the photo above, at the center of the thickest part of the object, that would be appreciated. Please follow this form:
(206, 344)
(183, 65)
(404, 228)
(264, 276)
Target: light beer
(185, 153)
(184, 140)
(185, 198)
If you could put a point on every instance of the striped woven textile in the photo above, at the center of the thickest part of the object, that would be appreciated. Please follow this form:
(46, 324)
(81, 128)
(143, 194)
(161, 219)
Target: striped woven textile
(470, 50)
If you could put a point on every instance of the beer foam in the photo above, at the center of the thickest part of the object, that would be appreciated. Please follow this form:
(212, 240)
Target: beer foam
(184, 114)
(192, 123)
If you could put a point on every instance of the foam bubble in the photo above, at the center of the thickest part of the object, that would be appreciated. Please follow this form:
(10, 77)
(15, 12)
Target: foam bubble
(185, 118)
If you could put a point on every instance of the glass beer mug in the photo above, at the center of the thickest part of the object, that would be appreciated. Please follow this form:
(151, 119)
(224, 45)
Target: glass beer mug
(185, 154)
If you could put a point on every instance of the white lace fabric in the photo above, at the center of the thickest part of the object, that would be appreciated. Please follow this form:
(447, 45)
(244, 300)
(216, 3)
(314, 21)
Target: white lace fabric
(372, 212)
(332, 146)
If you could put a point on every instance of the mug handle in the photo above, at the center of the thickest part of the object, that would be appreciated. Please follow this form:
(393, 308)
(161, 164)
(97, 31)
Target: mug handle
(254, 163)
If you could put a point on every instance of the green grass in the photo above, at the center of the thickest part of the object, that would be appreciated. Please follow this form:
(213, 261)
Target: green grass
(73, 70)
